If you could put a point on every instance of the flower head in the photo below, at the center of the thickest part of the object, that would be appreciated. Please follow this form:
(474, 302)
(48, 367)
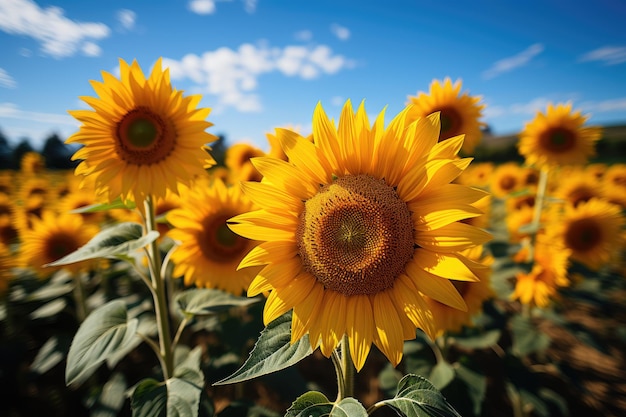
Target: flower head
(356, 226)
(460, 113)
(142, 136)
(558, 137)
(209, 252)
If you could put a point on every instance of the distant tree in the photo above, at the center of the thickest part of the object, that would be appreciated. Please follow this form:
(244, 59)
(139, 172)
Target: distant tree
(218, 149)
(19, 151)
(56, 153)
(5, 152)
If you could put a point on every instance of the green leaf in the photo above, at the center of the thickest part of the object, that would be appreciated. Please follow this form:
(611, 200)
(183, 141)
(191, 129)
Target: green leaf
(304, 401)
(200, 301)
(120, 239)
(103, 333)
(526, 337)
(476, 386)
(478, 341)
(441, 374)
(112, 397)
(93, 208)
(419, 398)
(272, 352)
(48, 356)
(177, 397)
(49, 309)
(348, 407)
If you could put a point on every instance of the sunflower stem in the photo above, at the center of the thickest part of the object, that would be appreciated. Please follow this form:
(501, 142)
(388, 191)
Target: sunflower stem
(79, 298)
(348, 368)
(159, 294)
(341, 388)
(539, 199)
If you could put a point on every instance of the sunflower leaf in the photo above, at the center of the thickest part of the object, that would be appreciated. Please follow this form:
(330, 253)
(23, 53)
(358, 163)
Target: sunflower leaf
(202, 301)
(527, 338)
(306, 400)
(103, 333)
(93, 208)
(120, 239)
(348, 407)
(272, 352)
(417, 397)
(179, 396)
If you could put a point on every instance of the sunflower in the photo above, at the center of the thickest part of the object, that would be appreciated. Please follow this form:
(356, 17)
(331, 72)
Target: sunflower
(52, 237)
(448, 319)
(7, 262)
(578, 187)
(548, 273)
(238, 162)
(142, 137)
(7, 182)
(34, 187)
(558, 137)
(460, 113)
(32, 163)
(356, 226)
(477, 175)
(506, 179)
(209, 252)
(593, 231)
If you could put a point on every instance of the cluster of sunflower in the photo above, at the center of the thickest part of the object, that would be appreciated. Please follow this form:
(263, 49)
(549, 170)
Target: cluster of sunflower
(365, 234)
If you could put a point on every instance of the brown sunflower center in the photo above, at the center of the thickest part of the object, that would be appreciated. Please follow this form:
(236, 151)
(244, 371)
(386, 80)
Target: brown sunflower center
(144, 137)
(558, 140)
(508, 182)
(218, 243)
(356, 235)
(451, 122)
(59, 245)
(583, 235)
(580, 195)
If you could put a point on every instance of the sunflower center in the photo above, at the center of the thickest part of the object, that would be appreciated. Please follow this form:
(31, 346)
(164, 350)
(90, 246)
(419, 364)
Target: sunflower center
(355, 235)
(60, 245)
(583, 235)
(144, 137)
(450, 123)
(218, 243)
(558, 139)
(508, 182)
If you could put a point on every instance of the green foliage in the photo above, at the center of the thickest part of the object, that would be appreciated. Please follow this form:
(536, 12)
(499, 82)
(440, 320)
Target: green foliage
(202, 301)
(179, 396)
(105, 331)
(417, 397)
(272, 352)
(116, 241)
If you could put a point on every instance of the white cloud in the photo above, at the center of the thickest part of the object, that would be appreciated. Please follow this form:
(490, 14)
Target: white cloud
(59, 36)
(233, 75)
(126, 18)
(617, 104)
(12, 111)
(249, 6)
(36, 126)
(609, 55)
(513, 62)
(337, 101)
(91, 49)
(303, 35)
(6, 80)
(340, 32)
(202, 6)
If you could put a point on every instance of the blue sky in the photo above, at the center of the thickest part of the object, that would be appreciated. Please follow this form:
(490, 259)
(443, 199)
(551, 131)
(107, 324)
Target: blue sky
(261, 64)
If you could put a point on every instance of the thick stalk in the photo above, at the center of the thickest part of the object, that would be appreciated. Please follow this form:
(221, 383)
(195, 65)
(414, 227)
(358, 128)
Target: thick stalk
(159, 294)
(348, 368)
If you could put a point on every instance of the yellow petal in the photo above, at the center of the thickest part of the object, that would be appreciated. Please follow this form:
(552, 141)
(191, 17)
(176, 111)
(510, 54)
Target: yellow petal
(360, 328)
(389, 331)
(440, 289)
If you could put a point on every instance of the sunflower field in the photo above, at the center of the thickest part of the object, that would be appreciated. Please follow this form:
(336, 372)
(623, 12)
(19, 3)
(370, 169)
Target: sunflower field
(376, 266)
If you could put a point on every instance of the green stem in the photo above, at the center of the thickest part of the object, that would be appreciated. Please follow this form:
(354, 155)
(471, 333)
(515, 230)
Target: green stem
(348, 368)
(539, 200)
(79, 298)
(159, 294)
(341, 387)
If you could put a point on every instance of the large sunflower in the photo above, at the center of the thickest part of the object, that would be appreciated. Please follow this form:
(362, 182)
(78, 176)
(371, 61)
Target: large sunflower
(356, 226)
(142, 137)
(558, 137)
(209, 252)
(460, 113)
(52, 237)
